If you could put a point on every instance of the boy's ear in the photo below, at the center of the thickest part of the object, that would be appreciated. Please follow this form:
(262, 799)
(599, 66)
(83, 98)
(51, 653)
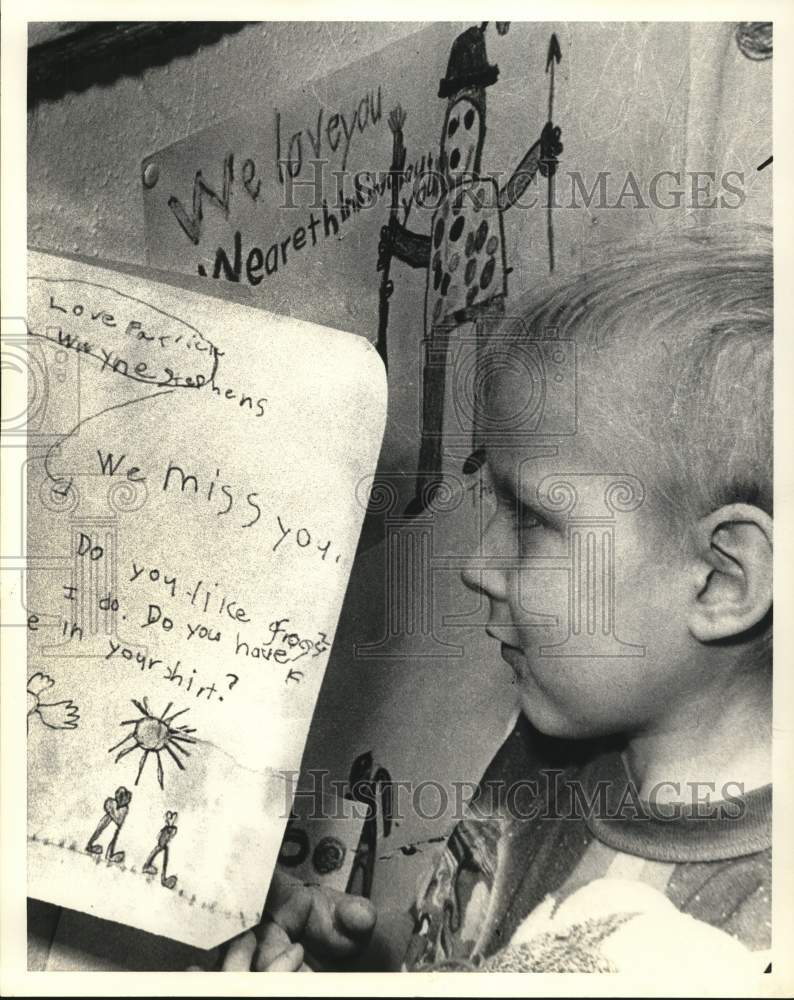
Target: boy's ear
(733, 574)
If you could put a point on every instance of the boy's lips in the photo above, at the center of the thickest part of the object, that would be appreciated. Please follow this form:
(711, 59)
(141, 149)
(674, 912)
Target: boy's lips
(506, 646)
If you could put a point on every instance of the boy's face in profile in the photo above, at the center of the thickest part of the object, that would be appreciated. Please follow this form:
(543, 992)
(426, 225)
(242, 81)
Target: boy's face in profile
(587, 596)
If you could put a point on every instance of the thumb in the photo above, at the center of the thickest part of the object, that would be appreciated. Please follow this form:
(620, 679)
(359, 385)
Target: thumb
(330, 924)
(355, 915)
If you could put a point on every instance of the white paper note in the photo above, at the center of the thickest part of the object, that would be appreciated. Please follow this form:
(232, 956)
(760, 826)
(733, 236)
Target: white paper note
(193, 507)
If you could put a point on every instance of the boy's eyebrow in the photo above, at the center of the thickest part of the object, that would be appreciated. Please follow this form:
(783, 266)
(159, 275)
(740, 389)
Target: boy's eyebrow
(524, 496)
(478, 462)
(474, 462)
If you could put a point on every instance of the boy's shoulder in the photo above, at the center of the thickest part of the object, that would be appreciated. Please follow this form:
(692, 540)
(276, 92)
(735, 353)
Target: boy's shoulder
(548, 820)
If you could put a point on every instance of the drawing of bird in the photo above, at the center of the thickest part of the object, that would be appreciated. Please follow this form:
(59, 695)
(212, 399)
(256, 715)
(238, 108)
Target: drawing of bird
(54, 715)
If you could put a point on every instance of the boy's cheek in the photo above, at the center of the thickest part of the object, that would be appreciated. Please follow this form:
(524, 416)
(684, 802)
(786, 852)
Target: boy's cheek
(650, 605)
(540, 601)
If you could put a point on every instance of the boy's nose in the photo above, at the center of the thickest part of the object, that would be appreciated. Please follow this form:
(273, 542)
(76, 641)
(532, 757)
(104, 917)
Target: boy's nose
(483, 579)
(472, 579)
(477, 574)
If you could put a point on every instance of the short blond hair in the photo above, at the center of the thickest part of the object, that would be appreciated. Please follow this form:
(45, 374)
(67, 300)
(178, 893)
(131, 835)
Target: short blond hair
(705, 414)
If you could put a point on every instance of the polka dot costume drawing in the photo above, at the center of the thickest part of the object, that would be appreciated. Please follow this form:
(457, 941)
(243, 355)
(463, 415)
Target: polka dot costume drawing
(464, 253)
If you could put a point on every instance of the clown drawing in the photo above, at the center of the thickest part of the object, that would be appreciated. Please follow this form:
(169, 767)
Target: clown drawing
(464, 254)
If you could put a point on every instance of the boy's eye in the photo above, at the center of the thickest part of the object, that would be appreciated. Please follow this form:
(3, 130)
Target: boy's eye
(524, 519)
(529, 521)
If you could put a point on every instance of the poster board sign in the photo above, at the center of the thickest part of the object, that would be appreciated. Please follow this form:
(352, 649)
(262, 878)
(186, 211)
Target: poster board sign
(191, 524)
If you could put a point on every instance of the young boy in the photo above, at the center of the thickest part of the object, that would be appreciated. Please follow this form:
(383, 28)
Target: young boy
(636, 784)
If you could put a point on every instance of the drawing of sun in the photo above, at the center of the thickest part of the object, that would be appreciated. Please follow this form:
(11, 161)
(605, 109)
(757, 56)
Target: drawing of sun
(154, 734)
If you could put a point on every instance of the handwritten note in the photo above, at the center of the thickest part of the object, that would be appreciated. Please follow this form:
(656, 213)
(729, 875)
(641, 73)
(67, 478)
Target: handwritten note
(191, 527)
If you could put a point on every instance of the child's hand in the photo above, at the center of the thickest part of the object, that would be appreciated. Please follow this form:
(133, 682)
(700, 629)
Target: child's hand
(272, 951)
(328, 923)
(276, 953)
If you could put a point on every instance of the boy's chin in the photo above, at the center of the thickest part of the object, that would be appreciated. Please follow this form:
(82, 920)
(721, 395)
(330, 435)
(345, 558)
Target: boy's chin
(551, 721)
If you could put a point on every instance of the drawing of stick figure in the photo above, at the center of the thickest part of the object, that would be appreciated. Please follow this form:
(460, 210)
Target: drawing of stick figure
(167, 834)
(115, 813)
(464, 254)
